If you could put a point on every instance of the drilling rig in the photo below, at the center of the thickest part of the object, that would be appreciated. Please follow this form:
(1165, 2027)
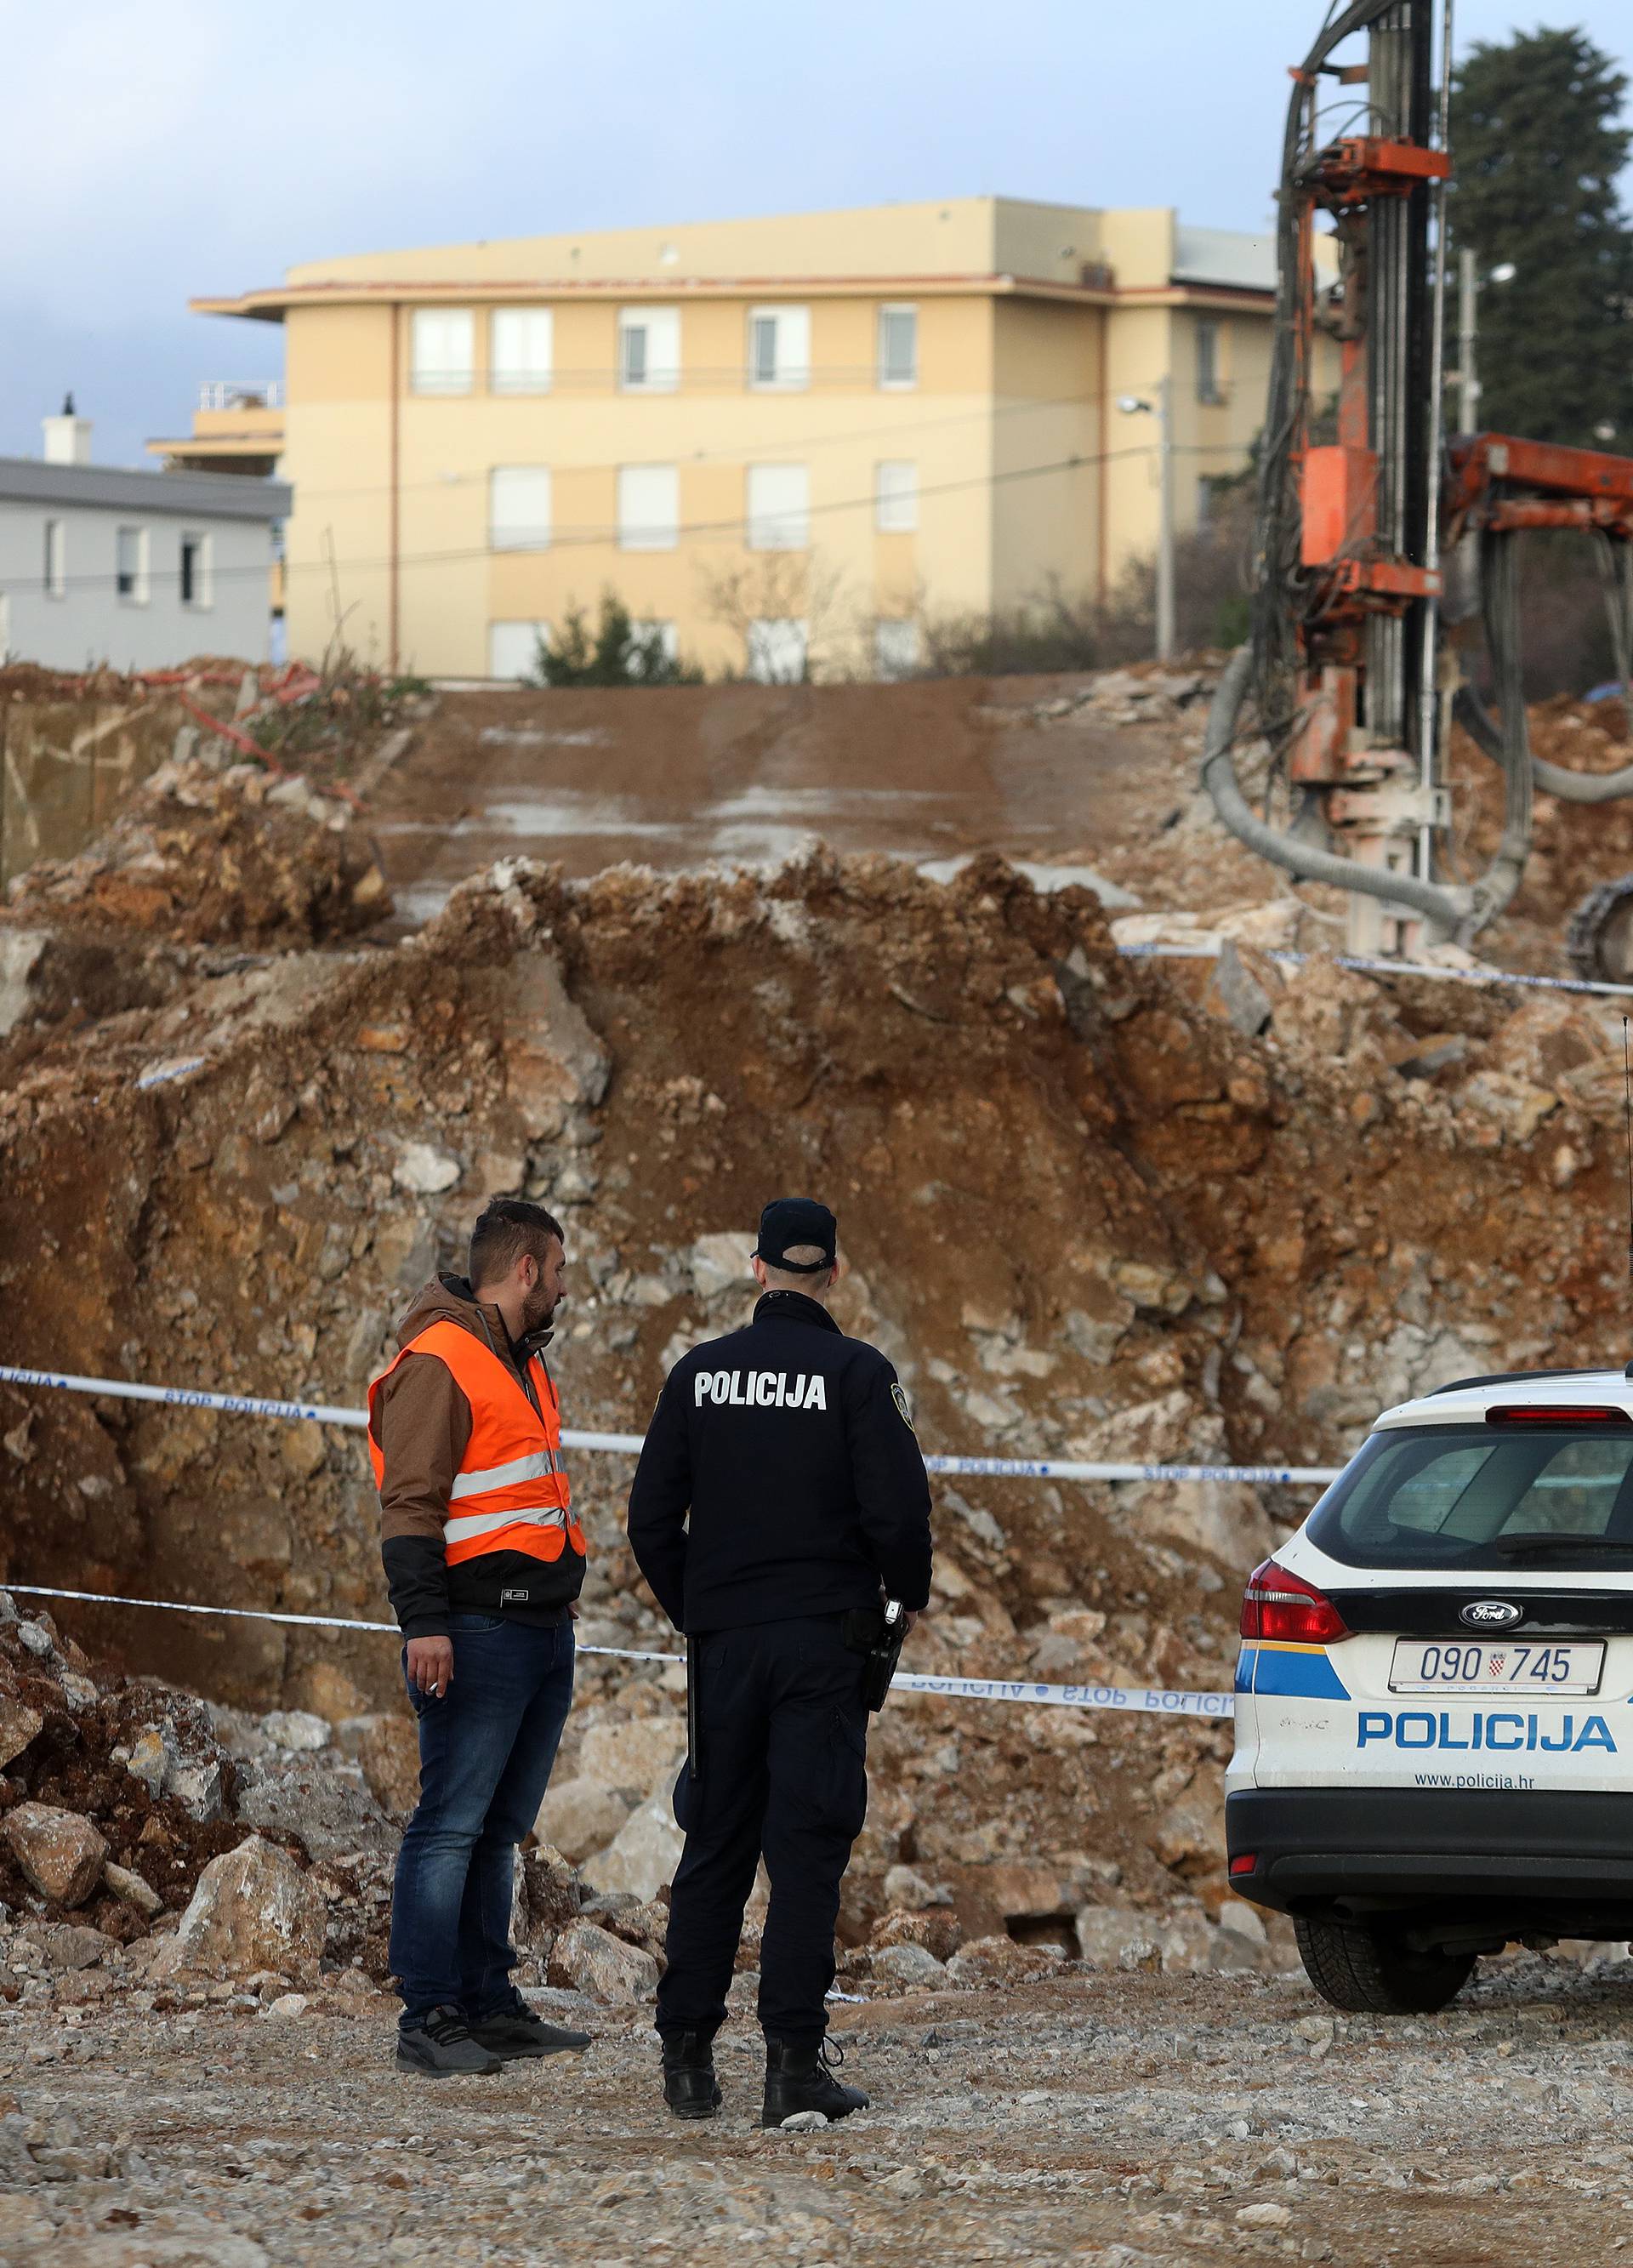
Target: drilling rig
(1378, 536)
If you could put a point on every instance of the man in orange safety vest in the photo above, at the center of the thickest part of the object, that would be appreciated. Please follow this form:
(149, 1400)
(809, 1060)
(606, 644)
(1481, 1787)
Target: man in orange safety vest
(484, 1561)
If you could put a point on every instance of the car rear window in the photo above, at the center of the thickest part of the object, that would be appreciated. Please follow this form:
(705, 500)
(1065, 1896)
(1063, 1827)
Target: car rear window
(1454, 1496)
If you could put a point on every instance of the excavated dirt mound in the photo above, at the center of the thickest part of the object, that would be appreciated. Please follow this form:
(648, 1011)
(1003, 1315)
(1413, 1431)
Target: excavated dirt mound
(1086, 1211)
(203, 856)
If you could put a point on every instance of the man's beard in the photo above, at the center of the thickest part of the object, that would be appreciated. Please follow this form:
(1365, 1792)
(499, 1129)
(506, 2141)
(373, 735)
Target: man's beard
(538, 1312)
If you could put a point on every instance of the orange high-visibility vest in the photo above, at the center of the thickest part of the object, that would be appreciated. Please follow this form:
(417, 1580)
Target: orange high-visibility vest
(510, 1492)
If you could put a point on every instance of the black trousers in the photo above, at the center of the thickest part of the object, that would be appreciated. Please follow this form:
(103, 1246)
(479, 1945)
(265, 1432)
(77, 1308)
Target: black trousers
(782, 1771)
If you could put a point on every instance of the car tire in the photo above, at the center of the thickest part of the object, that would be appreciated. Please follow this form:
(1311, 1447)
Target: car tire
(1366, 1972)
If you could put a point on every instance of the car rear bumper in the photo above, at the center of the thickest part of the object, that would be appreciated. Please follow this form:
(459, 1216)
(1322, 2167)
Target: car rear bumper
(1529, 1851)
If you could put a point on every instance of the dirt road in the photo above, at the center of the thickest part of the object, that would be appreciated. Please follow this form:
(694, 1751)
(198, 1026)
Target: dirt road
(752, 773)
(1135, 2120)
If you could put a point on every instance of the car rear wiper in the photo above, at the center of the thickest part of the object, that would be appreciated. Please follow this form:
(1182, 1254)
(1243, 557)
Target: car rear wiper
(1526, 1547)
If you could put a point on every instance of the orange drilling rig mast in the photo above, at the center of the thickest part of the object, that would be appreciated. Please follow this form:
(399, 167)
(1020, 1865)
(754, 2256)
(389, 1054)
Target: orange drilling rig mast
(1361, 503)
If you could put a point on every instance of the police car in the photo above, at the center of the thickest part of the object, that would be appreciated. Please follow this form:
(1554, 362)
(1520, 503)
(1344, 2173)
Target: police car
(1434, 1697)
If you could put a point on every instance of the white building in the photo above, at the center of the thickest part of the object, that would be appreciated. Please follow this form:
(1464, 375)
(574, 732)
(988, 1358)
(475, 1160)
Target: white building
(135, 569)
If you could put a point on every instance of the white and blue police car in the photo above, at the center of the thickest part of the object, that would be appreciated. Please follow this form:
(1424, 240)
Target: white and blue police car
(1434, 1695)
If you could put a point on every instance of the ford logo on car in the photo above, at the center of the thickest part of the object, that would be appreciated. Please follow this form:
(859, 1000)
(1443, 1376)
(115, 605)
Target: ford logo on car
(1491, 1613)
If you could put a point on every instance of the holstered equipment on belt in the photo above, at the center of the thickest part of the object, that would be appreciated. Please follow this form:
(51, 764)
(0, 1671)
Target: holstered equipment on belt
(877, 1633)
(693, 1717)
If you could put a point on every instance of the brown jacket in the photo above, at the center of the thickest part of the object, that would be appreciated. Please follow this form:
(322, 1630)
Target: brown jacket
(423, 1422)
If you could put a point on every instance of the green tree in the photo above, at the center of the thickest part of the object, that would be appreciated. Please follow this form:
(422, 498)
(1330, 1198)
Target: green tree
(1536, 147)
(617, 652)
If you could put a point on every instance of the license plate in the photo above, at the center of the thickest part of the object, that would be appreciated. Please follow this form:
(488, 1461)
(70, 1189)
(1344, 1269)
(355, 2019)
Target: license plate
(1510, 1665)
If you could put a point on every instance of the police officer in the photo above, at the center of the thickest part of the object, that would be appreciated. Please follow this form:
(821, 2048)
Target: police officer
(791, 1449)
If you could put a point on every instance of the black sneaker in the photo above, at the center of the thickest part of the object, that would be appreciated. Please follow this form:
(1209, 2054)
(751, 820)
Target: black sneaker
(513, 2032)
(441, 2045)
(799, 2077)
(690, 2087)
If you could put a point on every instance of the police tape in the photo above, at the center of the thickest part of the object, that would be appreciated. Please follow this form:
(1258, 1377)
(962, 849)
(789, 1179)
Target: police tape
(1208, 949)
(1138, 1700)
(325, 1413)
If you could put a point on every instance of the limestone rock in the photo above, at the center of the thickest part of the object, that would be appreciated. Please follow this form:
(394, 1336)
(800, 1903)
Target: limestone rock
(906, 1889)
(386, 1746)
(132, 1888)
(643, 1856)
(934, 1928)
(579, 1816)
(1243, 988)
(720, 1263)
(987, 1961)
(423, 1170)
(252, 1908)
(297, 1730)
(18, 1724)
(593, 1960)
(1190, 1834)
(153, 1758)
(70, 1946)
(640, 1754)
(909, 1964)
(199, 1789)
(1116, 1937)
(60, 1852)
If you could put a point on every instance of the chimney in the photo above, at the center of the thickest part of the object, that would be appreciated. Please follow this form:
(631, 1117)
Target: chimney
(68, 437)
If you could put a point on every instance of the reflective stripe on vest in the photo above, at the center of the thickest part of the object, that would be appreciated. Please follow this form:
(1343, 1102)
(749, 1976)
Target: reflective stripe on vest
(511, 1488)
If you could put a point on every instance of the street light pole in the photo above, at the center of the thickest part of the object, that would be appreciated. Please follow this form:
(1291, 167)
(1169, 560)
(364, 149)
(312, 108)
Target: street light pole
(1165, 540)
(1467, 379)
(1161, 407)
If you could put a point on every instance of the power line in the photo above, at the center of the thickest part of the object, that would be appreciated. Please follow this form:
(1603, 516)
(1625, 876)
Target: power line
(799, 441)
(697, 531)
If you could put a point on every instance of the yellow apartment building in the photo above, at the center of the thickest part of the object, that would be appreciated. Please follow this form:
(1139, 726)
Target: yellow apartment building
(784, 440)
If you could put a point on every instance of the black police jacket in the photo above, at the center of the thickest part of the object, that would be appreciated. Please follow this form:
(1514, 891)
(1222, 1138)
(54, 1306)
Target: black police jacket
(792, 1449)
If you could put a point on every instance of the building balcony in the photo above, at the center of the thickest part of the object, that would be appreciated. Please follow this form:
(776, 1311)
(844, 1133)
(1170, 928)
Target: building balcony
(238, 427)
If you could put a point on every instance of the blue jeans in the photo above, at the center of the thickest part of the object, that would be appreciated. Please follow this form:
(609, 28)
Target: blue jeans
(486, 1749)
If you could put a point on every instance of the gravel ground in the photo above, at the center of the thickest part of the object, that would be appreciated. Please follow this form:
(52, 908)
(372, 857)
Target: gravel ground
(1098, 2118)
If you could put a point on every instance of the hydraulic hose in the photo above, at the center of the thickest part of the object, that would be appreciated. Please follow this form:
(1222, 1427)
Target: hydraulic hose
(1456, 911)
(1503, 643)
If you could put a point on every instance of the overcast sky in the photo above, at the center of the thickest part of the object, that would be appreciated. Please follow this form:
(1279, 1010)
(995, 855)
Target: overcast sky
(190, 146)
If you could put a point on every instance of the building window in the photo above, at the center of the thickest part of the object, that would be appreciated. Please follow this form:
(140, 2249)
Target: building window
(776, 651)
(521, 347)
(444, 350)
(198, 571)
(779, 350)
(649, 507)
(896, 648)
(895, 497)
(1208, 386)
(513, 648)
(55, 566)
(130, 565)
(657, 640)
(779, 508)
(898, 346)
(649, 350)
(519, 507)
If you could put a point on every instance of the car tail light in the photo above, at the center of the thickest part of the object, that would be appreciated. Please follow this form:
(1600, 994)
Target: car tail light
(1550, 1413)
(1244, 1862)
(1279, 1604)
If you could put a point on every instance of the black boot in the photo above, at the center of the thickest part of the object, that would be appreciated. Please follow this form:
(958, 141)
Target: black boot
(799, 2078)
(690, 2087)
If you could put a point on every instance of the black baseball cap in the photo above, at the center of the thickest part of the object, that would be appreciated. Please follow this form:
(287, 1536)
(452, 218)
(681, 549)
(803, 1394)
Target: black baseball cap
(790, 1221)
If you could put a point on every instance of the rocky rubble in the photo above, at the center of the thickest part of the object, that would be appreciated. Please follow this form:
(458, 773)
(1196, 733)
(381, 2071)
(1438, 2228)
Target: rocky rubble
(211, 852)
(149, 1841)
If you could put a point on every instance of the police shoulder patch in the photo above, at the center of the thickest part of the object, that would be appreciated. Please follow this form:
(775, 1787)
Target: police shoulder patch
(904, 1408)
